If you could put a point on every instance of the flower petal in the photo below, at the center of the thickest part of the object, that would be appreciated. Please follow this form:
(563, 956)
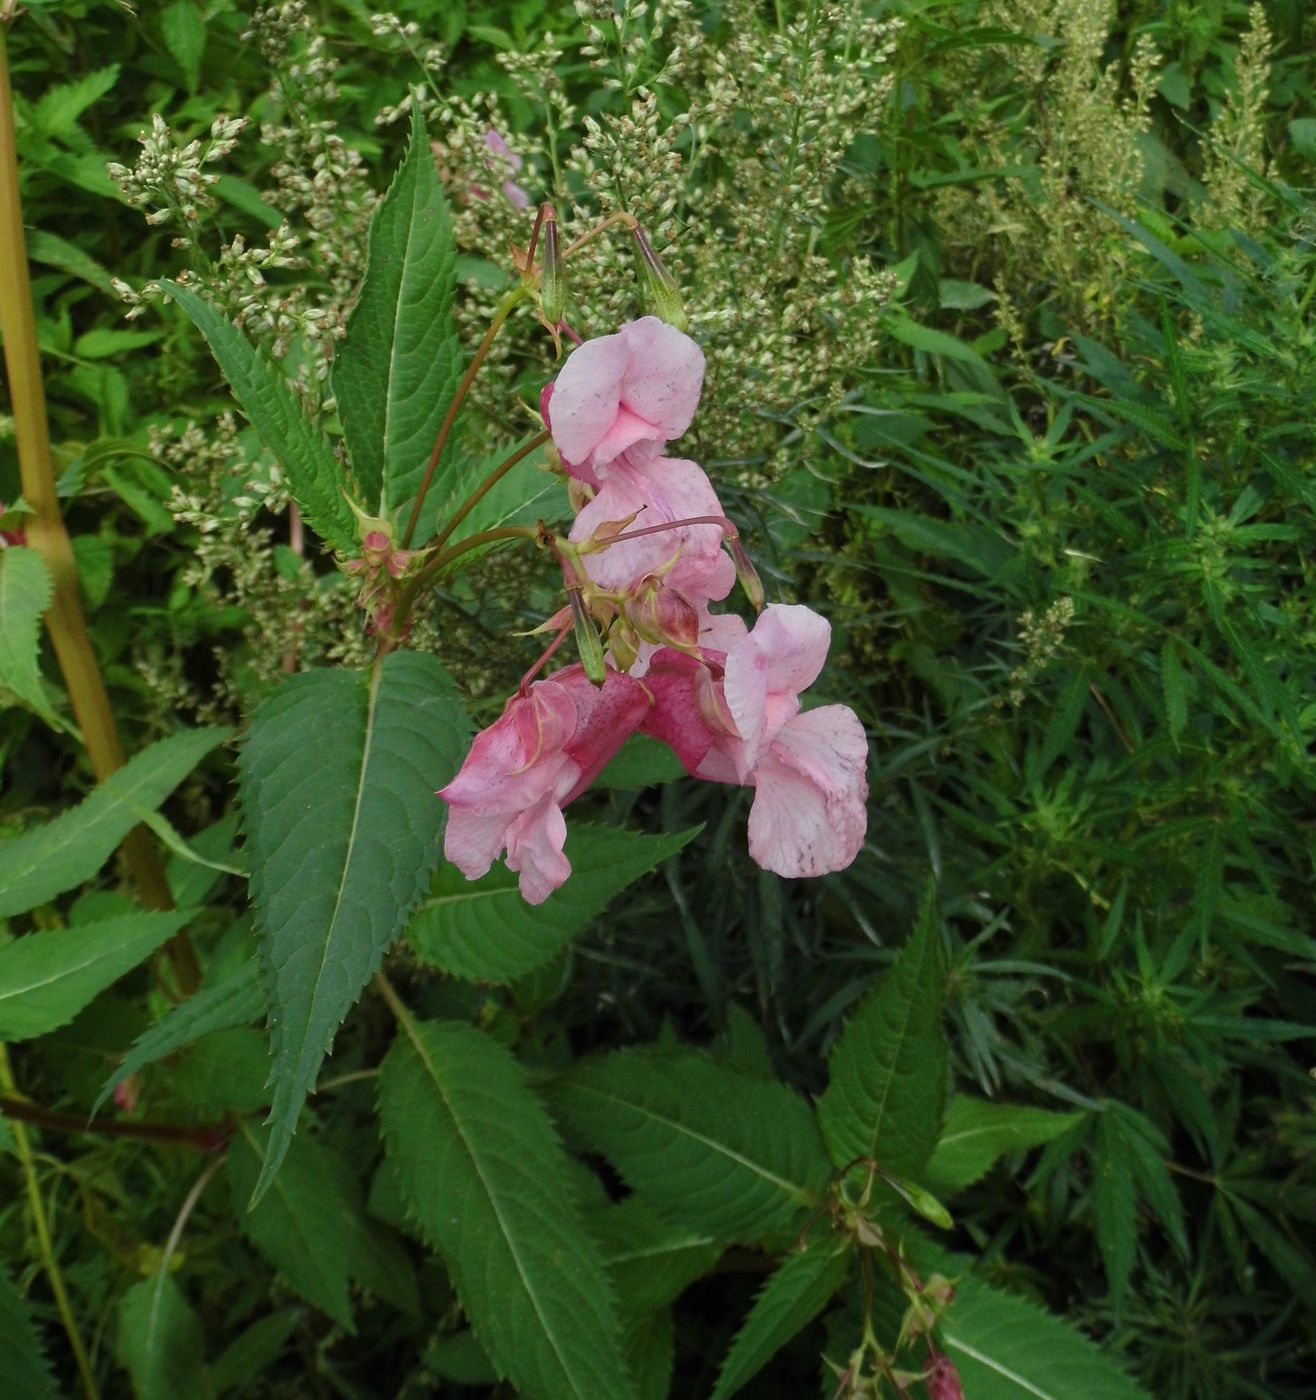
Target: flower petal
(664, 376)
(534, 850)
(766, 672)
(810, 791)
(586, 396)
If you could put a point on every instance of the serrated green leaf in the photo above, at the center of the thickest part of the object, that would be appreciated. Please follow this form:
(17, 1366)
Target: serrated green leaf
(651, 1260)
(22, 1361)
(484, 931)
(47, 978)
(1006, 1349)
(253, 1351)
(49, 859)
(887, 1087)
(312, 1226)
(491, 1188)
(160, 1341)
(103, 341)
(1113, 1205)
(184, 31)
(795, 1294)
(25, 593)
(309, 465)
(234, 1001)
(978, 1132)
(732, 1155)
(336, 784)
(650, 1346)
(94, 557)
(1175, 686)
(399, 366)
(53, 251)
(57, 113)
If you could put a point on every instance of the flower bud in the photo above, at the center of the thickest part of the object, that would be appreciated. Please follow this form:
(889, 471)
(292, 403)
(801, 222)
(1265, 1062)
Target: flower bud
(553, 288)
(746, 573)
(665, 617)
(587, 639)
(657, 284)
(943, 1380)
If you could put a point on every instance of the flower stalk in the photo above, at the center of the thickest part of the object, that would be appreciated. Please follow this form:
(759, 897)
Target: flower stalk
(65, 621)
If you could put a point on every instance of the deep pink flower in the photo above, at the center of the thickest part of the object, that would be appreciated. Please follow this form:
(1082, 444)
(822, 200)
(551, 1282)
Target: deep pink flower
(624, 393)
(545, 749)
(657, 492)
(735, 718)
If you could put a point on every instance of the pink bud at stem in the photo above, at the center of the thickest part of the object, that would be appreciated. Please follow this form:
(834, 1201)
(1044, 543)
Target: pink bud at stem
(660, 294)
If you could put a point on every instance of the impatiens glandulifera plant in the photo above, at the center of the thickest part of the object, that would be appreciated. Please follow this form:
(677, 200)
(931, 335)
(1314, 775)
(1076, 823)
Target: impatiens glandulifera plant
(346, 780)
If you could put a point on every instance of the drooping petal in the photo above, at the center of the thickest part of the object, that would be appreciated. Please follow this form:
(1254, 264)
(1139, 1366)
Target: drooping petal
(810, 790)
(665, 375)
(658, 492)
(765, 673)
(534, 850)
(625, 394)
(607, 716)
(586, 396)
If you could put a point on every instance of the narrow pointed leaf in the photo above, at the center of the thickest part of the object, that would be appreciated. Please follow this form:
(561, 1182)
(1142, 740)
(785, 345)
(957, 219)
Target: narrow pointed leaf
(795, 1294)
(978, 1132)
(25, 592)
(888, 1070)
(160, 1341)
(730, 1154)
(337, 781)
(315, 479)
(491, 1189)
(400, 364)
(46, 978)
(483, 929)
(49, 859)
(312, 1226)
(22, 1361)
(235, 1001)
(1007, 1349)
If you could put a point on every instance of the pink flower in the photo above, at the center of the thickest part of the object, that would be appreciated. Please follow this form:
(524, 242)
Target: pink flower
(545, 749)
(511, 190)
(624, 393)
(657, 492)
(735, 718)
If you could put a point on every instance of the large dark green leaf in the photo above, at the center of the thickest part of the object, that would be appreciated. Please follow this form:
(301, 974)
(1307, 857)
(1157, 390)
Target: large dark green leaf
(889, 1068)
(337, 783)
(730, 1154)
(399, 366)
(483, 929)
(799, 1290)
(978, 1132)
(491, 1189)
(22, 1362)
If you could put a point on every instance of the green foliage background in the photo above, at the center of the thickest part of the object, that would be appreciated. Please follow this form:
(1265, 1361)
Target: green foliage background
(1061, 519)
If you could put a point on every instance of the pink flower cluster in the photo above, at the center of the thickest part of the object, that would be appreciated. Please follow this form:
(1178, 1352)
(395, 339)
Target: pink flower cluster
(648, 543)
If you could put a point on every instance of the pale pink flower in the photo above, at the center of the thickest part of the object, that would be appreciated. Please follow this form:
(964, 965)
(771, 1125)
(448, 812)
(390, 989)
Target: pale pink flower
(735, 717)
(513, 192)
(658, 492)
(625, 393)
(545, 749)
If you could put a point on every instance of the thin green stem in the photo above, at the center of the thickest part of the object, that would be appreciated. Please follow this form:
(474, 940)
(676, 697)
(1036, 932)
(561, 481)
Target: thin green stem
(505, 309)
(487, 485)
(45, 1247)
(438, 562)
(46, 534)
